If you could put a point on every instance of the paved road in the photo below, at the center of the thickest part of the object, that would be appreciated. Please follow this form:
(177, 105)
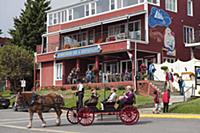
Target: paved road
(15, 122)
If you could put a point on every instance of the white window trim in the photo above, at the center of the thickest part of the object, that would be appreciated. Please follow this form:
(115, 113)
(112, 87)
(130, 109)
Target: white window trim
(55, 71)
(158, 3)
(176, 6)
(72, 13)
(185, 26)
(192, 11)
(90, 8)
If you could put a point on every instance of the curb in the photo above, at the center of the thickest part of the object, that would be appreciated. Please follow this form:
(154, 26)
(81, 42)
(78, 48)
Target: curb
(173, 116)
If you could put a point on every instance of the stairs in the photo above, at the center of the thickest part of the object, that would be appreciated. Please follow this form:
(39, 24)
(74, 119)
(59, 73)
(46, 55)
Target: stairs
(159, 85)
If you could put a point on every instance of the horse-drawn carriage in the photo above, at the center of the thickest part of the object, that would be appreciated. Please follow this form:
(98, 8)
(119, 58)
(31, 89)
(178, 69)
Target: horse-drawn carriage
(128, 114)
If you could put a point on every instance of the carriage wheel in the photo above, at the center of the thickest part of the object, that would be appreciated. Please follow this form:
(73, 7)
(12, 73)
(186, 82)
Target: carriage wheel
(72, 116)
(129, 115)
(85, 116)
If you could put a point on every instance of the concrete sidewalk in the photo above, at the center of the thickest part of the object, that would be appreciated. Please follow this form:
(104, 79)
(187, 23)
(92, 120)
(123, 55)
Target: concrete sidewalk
(147, 113)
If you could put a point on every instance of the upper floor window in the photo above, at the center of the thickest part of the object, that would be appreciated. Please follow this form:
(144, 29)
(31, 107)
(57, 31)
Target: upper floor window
(154, 1)
(171, 5)
(70, 14)
(135, 30)
(50, 19)
(87, 10)
(188, 34)
(93, 8)
(190, 7)
(58, 71)
(55, 18)
(64, 16)
(119, 3)
(112, 4)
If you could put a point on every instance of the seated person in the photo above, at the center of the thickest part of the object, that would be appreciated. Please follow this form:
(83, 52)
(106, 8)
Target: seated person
(111, 99)
(127, 98)
(93, 100)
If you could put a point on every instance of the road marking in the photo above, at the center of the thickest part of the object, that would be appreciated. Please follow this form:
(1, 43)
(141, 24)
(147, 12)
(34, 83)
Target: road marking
(19, 119)
(37, 129)
(175, 116)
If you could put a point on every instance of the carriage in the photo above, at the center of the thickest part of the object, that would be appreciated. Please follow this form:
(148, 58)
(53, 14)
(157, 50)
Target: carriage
(128, 114)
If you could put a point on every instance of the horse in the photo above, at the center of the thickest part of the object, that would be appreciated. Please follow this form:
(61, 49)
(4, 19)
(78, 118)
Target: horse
(38, 103)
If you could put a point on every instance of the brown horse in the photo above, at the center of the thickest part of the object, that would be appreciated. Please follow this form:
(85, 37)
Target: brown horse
(39, 103)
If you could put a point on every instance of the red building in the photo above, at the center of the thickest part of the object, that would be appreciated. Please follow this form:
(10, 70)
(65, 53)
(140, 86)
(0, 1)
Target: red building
(113, 38)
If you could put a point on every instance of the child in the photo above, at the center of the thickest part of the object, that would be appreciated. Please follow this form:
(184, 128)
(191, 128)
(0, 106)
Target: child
(156, 102)
(166, 98)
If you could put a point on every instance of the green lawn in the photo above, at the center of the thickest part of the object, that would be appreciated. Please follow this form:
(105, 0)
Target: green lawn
(70, 98)
(190, 107)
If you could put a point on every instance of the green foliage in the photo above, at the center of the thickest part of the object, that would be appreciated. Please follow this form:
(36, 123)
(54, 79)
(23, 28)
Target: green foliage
(1, 32)
(31, 24)
(16, 63)
(120, 87)
(87, 87)
(73, 88)
(164, 68)
(190, 107)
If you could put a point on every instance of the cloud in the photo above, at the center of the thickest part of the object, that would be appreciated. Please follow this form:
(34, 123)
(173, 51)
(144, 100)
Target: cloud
(159, 17)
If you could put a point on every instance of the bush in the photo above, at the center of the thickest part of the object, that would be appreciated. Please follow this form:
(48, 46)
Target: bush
(87, 87)
(121, 87)
(107, 88)
(164, 68)
(73, 88)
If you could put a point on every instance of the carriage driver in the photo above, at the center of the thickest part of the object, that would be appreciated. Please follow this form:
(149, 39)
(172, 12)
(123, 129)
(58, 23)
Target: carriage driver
(80, 94)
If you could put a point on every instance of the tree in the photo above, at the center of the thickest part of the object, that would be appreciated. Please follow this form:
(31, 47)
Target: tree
(1, 32)
(16, 63)
(31, 24)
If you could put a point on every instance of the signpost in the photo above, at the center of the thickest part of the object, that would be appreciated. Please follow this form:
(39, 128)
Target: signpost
(23, 84)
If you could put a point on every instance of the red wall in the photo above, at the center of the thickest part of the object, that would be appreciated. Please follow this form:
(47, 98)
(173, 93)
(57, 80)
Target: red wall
(47, 74)
(179, 19)
(53, 42)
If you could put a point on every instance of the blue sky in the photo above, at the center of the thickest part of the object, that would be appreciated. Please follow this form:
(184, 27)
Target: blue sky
(12, 8)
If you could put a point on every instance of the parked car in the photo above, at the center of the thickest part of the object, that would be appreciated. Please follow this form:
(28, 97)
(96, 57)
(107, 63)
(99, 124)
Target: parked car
(4, 103)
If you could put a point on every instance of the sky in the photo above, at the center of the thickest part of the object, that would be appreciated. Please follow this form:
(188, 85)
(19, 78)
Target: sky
(11, 8)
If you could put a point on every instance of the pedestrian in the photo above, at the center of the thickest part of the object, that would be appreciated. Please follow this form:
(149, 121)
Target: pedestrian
(80, 94)
(181, 84)
(166, 99)
(151, 70)
(169, 80)
(156, 110)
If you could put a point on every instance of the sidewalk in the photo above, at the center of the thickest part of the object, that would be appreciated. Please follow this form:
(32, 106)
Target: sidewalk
(147, 113)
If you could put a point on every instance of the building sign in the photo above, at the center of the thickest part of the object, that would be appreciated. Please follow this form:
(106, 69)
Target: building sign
(197, 73)
(158, 17)
(78, 52)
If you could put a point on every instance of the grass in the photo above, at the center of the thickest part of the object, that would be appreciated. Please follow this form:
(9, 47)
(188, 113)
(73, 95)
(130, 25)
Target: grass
(70, 98)
(190, 107)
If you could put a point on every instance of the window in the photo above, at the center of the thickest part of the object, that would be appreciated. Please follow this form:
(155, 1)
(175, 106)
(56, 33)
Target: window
(64, 16)
(188, 34)
(87, 10)
(135, 30)
(171, 5)
(59, 17)
(55, 18)
(112, 4)
(58, 71)
(116, 29)
(50, 19)
(154, 1)
(70, 14)
(93, 9)
(119, 3)
(170, 60)
(190, 8)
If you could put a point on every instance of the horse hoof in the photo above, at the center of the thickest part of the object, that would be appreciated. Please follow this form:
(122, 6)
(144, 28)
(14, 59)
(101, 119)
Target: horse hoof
(43, 125)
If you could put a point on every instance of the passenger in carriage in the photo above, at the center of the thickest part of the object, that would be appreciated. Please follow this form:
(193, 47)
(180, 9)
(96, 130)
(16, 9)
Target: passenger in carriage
(110, 100)
(93, 100)
(128, 98)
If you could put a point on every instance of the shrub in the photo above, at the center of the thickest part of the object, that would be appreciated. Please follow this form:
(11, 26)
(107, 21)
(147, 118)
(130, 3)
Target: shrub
(120, 87)
(164, 68)
(107, 88)
(87, 87)
(73, 88)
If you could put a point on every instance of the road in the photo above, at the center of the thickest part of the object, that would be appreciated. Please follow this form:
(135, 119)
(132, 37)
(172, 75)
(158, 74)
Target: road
(15, 122)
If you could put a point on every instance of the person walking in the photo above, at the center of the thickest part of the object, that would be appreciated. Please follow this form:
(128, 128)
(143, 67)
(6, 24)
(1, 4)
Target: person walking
(80, 94)
(151, 70)
(156, 103)
(181, 84)
(166, 99)
(169, 80)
